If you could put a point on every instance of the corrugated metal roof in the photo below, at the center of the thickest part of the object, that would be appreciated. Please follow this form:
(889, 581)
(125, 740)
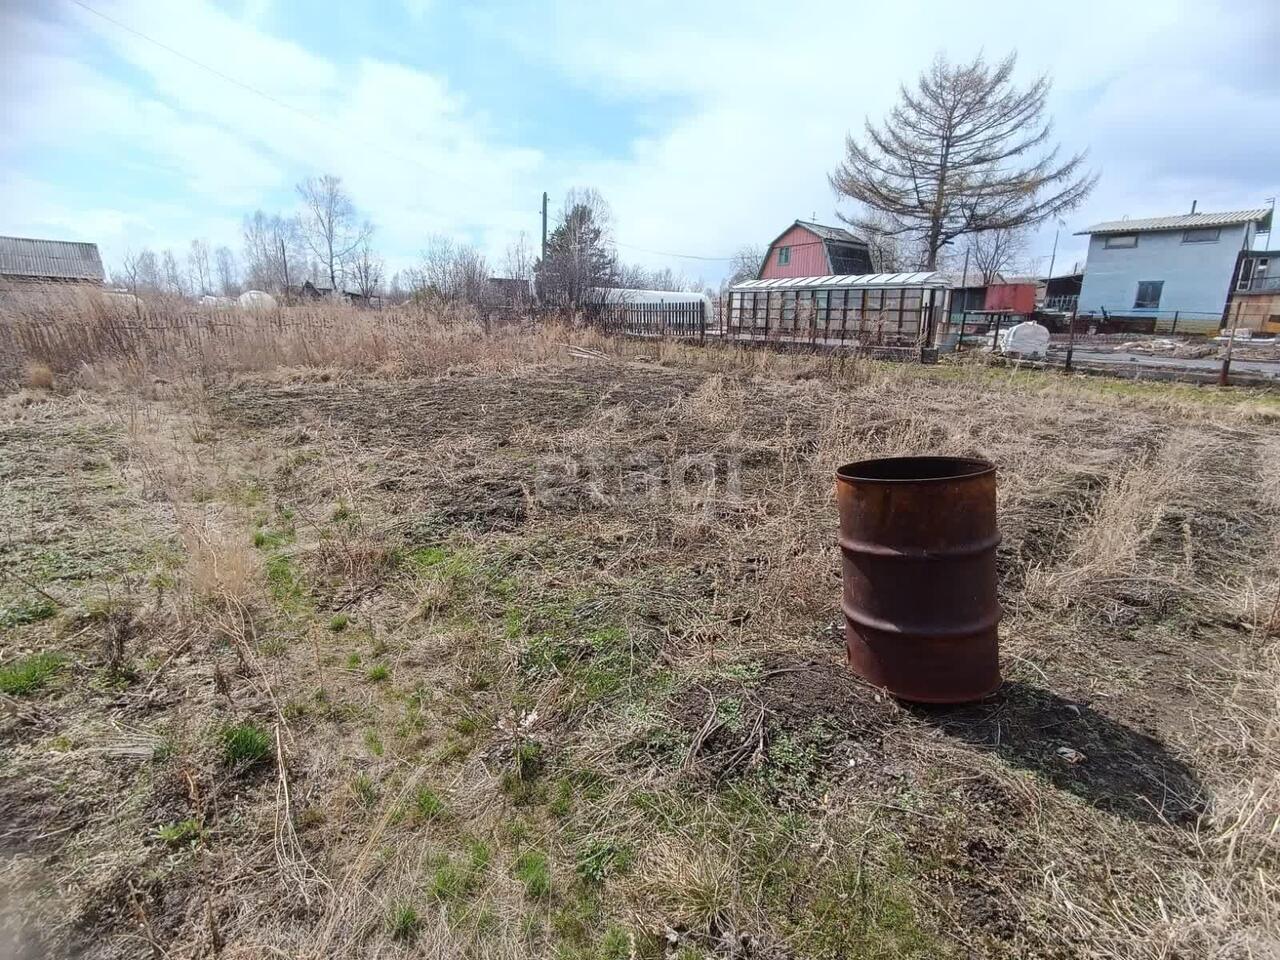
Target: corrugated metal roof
(829, 233)
(57, 259)
(1186, 221)
(924, 279)
(627, 295)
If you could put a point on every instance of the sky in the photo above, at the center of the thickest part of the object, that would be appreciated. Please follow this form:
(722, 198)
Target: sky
(707, 126)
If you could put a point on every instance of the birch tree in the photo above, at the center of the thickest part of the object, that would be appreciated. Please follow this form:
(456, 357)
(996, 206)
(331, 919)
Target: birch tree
(330, 226)
(198, 267)
(225, 265)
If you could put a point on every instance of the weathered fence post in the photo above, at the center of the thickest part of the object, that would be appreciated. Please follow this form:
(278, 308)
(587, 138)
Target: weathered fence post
(1224, 376)
(1071, 340)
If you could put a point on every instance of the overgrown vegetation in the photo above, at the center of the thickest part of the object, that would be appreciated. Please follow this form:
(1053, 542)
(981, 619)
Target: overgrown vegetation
(28, 674)
(459, 660)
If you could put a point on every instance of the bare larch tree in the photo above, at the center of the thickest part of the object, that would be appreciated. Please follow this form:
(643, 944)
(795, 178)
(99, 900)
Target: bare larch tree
(966, 151)
(329, 224)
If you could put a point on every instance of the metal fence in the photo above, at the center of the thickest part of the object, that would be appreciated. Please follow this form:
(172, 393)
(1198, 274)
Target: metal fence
(680, 320)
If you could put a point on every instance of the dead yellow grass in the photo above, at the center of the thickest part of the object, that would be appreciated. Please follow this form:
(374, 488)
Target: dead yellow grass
(1109, 507)
(37, 375)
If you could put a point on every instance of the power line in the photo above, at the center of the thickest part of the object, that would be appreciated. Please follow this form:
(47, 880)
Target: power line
(239, 83)
(249, 88)
(667, 253)
(694, 256)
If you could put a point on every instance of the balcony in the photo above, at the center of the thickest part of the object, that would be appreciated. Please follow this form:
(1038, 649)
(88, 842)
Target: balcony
(1262, 284)
(1062, 304)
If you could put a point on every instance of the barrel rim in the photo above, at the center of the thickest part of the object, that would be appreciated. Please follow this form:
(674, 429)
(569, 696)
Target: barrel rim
(961, 468)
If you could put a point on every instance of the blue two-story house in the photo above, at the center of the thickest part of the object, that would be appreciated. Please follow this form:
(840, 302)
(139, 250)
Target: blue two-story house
(1167, 269)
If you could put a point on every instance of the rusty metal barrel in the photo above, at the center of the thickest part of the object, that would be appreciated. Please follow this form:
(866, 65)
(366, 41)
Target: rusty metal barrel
(918, 543)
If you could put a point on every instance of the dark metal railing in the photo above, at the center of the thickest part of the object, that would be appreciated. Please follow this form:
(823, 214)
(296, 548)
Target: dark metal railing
(1259, 285)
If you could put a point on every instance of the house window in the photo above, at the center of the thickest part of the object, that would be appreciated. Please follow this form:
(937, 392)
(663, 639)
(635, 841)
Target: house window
(1253, 275)
(784, 256)
(1121, 240)
(1205, 235)
(1148, 297)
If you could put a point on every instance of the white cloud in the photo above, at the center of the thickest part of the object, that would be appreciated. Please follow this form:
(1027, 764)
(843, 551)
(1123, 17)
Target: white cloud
(1174, 100)
(416, 158)
(1170, 98)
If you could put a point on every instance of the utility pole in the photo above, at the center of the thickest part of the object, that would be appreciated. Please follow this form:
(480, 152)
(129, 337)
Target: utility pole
(1224, 376)
(284, 260)
(544, 226)
(1052, 259)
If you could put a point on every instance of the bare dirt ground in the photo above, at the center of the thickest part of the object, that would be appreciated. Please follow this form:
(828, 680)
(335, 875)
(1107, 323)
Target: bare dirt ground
(540, 661)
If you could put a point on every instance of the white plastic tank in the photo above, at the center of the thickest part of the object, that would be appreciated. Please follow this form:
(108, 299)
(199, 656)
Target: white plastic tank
(257, 300)
(1027, 339)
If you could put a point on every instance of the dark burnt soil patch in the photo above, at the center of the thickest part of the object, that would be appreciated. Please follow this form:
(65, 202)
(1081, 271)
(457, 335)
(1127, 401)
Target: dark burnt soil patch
(150, 901)
(388, 412)
(35, 817)
(972, 879)
(795, 723)
(1109, 764)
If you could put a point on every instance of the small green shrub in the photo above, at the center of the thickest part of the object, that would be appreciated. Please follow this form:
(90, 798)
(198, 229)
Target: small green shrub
(32, 611)
(28, 674)
(365, 790)
(338, 622)
(427, 805)
(245, 743)
(479, 853)
(182, 832)
(378, 673)
(533, 870)
(449, 883)
(601, 858)
(403, 923)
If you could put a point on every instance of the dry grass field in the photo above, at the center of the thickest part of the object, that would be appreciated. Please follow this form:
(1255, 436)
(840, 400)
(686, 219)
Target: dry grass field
(340, 635)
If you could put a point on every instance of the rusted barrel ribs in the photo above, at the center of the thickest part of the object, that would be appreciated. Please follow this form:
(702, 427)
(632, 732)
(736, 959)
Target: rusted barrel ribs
(918, 543)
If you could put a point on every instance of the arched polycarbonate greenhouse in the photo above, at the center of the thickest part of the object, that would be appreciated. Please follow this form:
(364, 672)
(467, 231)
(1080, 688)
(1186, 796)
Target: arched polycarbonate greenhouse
(877, 309)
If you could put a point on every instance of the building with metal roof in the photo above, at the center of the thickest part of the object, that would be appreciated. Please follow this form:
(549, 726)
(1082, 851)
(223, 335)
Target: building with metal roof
(24, 260)
(1260, 216)
(807, 249)
(1166, 273)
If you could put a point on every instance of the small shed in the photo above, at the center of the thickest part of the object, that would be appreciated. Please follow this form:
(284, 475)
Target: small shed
(807, 249)
(25, 261)
(1017, 298)
(876, 308)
